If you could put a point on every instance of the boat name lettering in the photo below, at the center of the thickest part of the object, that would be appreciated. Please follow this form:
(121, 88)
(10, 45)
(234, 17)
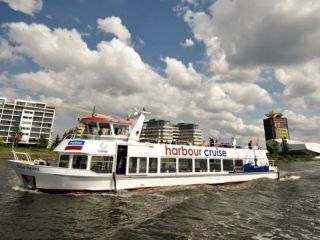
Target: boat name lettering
(32, 168)
(27, 167)
(21, 167)
(184, 151)
(215, 153)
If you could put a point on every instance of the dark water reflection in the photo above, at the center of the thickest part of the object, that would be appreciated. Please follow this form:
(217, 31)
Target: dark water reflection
(262, 209)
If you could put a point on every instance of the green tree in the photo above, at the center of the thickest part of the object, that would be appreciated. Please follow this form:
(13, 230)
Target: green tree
(56, 141)
(1, 140)
(42, 141)
(273, 147)
(284, 147)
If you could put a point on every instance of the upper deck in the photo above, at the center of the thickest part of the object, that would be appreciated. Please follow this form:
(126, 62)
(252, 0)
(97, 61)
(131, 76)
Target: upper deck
(103, 127)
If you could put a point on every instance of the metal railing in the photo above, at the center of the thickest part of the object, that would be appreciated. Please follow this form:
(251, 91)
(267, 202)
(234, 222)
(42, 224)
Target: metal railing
(21, 156)
(272, 163)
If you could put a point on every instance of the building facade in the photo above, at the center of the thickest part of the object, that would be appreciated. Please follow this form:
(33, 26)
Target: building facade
(158, 130)
(32, 119)
(189, 133)
(166, 132)
(275, 126)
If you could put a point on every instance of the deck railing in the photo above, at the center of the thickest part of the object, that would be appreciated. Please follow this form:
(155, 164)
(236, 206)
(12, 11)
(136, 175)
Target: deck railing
(21, 156)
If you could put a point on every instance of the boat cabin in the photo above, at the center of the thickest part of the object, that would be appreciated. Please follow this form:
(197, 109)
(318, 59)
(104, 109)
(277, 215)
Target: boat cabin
(105, 127)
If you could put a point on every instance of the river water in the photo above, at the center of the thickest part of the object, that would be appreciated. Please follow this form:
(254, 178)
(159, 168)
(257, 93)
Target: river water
(260, 209)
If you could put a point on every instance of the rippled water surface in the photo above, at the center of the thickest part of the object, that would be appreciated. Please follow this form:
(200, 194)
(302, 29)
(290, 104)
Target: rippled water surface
(261, 209)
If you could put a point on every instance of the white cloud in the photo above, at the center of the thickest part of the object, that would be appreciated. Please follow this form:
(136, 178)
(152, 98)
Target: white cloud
(114, 25)
(26, 6)
(259, 33)
(191, 2)
(48, 16)
(181, 76)
(243, 38)
(52, 49)
(187, 43)
(301, 126)
(7, 52)
(84, 77)
(301, 84)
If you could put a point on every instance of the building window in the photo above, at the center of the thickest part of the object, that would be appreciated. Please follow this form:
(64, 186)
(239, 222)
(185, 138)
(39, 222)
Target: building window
(101, 164)
(228, 165)
(185, 164)
(200, 165)
(153, 165)
(168, 165)
(80, 161)
(64, 161)
(215, 165)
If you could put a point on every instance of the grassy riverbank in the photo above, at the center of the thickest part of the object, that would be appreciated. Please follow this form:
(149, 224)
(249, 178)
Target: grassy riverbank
(6, 152)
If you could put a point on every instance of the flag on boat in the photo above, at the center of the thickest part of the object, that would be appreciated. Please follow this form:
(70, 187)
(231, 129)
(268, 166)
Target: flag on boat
(75, 145)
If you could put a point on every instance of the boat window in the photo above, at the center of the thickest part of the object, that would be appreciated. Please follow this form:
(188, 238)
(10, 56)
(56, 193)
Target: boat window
(227, 165)
(238, 165)
(200, 165)
(120, 129)
(79, 161)
(137, 165)
(104, 129)
(185, 164)
(215, 165)
(133, 162)
(153, 165)
(101, 164)
(143, 165)
(64, 161)
(168, 165)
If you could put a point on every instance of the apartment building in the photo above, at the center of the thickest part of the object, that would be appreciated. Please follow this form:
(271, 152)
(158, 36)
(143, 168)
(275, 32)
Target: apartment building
(189, 133)
(31, 118)
(166, 132)
(158, 130)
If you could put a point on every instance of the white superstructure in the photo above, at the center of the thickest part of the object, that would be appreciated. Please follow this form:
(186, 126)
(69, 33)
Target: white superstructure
(110, 157)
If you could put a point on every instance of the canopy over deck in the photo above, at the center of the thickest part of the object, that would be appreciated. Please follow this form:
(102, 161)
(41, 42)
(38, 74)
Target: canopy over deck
(105, 119)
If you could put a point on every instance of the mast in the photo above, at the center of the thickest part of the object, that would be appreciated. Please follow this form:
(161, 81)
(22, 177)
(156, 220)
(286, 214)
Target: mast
(139, 116)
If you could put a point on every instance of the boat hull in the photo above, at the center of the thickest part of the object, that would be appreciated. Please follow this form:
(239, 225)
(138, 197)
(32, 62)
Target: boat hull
(54, 179)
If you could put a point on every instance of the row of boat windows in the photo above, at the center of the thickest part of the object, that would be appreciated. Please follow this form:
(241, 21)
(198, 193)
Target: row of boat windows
(143, 165)
(138, 165)
(99, 164)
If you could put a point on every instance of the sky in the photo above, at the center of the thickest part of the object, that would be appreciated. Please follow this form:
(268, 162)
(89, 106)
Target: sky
(221, 64)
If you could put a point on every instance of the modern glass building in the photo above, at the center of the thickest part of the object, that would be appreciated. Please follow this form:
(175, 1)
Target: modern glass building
(31, 118)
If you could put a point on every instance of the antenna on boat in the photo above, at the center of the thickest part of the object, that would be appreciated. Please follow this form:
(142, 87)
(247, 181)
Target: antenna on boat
(94, 111)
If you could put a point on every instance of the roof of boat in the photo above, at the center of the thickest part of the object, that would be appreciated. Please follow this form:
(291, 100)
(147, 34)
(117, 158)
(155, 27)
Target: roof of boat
(105, 119)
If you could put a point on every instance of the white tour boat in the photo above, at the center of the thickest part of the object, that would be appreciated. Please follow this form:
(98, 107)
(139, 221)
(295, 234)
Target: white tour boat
(109, 156)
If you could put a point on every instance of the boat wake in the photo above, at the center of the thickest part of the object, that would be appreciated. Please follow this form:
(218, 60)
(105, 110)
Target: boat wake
(289, 178)
(22, 189)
